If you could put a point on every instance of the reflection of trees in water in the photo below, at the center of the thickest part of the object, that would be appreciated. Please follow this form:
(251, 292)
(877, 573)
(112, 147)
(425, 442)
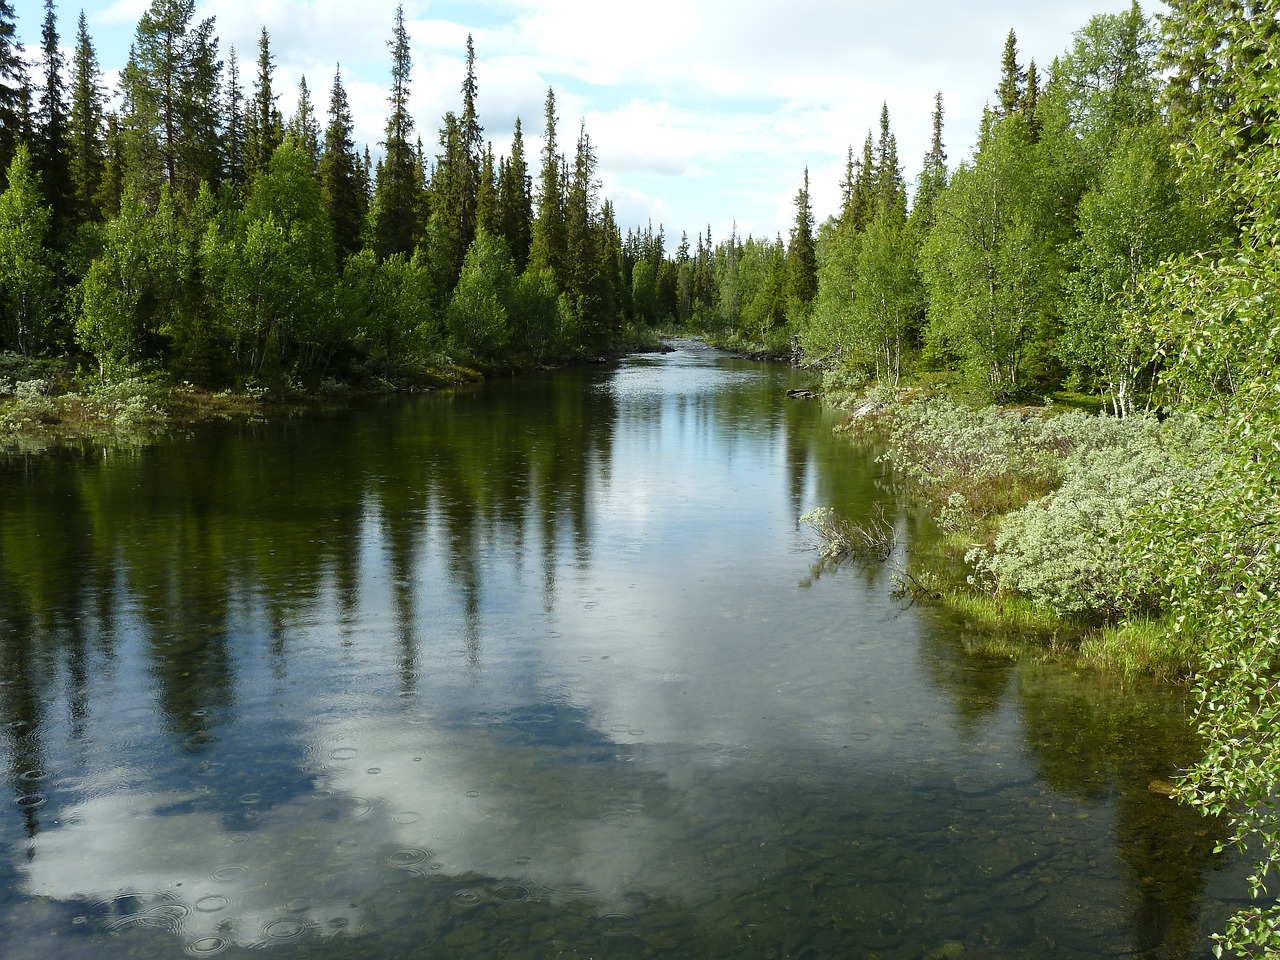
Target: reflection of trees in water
(1099, 743)
(1104, 740)
(268, 524)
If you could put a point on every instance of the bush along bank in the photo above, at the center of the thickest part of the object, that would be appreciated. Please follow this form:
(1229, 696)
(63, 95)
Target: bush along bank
(1041, 512)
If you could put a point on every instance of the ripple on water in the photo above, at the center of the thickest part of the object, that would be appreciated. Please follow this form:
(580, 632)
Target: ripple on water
(230, 873)
(34, 776)
(212, 903)
(470, 897)
(511, 893)
(408, 856)
(206, 946)
(29, 801)
(163, 916)
(343, 753)
(613, 924)
(284, 929)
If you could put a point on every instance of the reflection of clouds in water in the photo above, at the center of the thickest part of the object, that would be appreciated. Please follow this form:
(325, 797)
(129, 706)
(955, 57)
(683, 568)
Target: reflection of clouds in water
(391, 799)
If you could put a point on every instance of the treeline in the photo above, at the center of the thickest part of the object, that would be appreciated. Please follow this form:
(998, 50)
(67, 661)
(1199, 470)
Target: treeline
(200, 229)
(1023, 268)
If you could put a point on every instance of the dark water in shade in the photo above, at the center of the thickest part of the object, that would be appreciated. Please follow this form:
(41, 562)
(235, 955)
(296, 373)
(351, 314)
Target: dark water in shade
(543, 669)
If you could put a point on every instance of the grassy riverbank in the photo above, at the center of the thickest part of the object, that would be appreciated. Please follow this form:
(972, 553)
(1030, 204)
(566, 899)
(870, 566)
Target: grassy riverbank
(44, 402)
(1036, 508)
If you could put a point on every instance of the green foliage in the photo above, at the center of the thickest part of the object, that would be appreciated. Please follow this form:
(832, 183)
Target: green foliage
(1133, 219)
(991, 263)
(29, 302)
(478, 311)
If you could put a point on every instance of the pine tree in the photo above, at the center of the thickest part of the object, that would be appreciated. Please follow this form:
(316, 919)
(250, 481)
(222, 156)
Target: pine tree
(86, 157)
(13, 81)
(581, 264)
(341, 174)
(1012, 78)
(51, 153)
(395, 196)
(170, 100)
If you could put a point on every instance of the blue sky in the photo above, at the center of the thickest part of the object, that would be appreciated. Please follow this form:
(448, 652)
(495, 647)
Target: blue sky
(703, 112)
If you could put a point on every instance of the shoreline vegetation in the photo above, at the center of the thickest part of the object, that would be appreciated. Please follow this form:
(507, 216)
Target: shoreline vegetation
(1033, 507)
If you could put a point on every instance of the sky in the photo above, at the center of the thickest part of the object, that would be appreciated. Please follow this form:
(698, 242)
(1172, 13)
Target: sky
(704, 114)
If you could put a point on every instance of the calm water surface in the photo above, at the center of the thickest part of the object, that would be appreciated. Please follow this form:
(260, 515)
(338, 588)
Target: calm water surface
(544, 669)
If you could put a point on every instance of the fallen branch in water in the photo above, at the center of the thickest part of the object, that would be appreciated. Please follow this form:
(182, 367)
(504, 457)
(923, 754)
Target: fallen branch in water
(839, 538)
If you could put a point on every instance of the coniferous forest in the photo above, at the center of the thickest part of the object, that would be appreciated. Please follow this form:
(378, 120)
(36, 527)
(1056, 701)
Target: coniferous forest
(1111, 235)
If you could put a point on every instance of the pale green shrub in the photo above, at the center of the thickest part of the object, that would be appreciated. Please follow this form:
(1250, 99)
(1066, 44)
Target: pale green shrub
(1062, 551)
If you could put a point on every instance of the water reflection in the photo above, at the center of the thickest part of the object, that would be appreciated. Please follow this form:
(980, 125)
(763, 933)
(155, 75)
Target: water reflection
(524, 670)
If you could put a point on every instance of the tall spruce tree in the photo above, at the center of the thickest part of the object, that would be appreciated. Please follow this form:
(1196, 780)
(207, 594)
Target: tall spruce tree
(515, 202)
(933, 175)
(304, 127)
(341, 175)
(548, 250)
(396, 204)
(264, 127)
(890, 191)
(13, 81)
(1012, 78)
(234, 125)
(51, 149)
(801, 256)
(85, 135)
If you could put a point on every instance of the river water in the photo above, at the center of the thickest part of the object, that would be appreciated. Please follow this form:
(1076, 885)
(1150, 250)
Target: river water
(545, 668)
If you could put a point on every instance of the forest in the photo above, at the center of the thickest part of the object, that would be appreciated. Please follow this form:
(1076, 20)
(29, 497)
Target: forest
(1111, 237)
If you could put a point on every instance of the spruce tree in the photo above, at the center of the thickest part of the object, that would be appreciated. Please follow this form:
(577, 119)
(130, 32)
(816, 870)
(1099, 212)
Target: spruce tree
(1012, 78)
(801, 258)
(890, 191)
(487, 212)
(341, 174)
(13, 83)
(51, 152)
(396, 226)
(86, 156)
(234, 123)
(933, 174)
(515, 202)
(264, 127)
(1030, 100)
(303, 125)
(548, 243)
(471, 136)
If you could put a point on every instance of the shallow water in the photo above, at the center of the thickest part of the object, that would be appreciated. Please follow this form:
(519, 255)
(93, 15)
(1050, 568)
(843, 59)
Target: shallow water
(544, 668)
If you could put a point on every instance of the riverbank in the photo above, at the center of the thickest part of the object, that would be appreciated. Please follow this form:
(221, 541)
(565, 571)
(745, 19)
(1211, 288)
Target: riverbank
(1038, 510)
(46, 402)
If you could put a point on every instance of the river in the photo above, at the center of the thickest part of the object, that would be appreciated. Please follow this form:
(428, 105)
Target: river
(545, 668)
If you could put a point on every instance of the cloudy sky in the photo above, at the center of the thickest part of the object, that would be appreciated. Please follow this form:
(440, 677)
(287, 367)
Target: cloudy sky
(703, 112)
